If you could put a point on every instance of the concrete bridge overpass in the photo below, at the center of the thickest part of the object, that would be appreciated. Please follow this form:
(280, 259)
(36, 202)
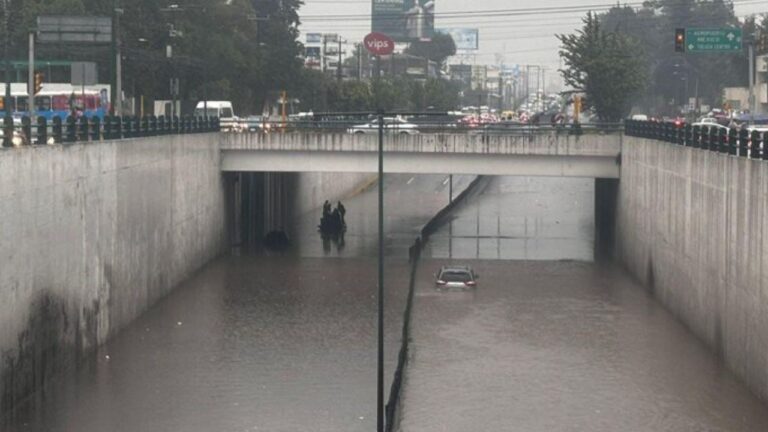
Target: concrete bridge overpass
(542, 154)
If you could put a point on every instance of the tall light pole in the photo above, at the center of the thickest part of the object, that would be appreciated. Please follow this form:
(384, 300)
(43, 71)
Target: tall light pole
(7, 105)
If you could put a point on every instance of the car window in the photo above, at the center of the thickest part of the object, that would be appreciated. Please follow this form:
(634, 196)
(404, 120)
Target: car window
(455, 276)
(226, 112)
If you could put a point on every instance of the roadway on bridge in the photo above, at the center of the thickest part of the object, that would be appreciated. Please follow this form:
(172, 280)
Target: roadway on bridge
(545, 346)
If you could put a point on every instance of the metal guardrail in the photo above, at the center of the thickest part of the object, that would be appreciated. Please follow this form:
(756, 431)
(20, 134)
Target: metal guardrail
(363, 127)
(81, 129)
(741, 143)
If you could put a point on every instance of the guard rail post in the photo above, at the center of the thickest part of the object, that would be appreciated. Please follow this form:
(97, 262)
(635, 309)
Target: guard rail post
(722, 141)
(26, 129)
(57, 130)
(7, 131)
(755, 144)
(95, 128)
(42, 131)
(71, 129)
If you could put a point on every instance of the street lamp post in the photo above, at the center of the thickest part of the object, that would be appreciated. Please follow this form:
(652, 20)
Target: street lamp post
(380, 339)
(7, 102)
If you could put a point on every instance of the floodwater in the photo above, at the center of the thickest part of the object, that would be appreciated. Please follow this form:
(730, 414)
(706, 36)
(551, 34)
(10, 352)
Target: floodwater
(550, 341)
(259, 342)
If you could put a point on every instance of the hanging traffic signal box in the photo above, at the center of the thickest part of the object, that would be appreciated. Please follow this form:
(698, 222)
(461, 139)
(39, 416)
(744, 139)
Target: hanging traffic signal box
(680, 40)
(39, 77)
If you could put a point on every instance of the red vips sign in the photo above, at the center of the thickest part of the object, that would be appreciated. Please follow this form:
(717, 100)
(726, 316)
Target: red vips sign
(379, 44)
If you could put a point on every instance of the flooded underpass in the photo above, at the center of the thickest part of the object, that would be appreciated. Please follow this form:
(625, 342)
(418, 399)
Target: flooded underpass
(268, 341)
(550, 340)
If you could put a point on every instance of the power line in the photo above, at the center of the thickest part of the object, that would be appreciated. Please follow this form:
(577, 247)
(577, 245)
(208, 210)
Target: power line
(505, 12)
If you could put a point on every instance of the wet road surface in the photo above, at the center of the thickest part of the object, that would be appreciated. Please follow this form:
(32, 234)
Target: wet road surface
(258, 343)
(555, 345)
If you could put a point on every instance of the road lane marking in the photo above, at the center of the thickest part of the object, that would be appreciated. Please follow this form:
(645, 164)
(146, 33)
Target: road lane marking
(411, 180)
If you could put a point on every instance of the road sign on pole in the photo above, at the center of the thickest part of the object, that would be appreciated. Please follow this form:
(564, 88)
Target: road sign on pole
(713, 40)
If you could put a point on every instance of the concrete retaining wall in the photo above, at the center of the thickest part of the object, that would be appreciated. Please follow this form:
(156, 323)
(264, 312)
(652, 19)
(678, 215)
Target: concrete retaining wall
(313, 188)
(693, 226)
(91, 235)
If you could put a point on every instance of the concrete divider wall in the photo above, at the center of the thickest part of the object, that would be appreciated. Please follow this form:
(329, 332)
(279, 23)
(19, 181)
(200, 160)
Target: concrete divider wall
(93, 234)
(544, 144)
(693, 226)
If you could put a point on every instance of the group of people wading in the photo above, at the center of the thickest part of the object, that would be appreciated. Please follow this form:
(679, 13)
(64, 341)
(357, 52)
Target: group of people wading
(332, 221)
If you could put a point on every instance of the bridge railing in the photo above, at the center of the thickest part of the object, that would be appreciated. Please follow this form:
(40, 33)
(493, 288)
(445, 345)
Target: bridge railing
(18, 132)
(428, 126)
(747, 143)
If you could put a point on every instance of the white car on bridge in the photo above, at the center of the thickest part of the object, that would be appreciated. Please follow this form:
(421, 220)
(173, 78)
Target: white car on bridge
(396, 125)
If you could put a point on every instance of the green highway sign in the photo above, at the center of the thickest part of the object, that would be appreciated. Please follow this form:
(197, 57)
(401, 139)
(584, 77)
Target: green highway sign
(713, 40)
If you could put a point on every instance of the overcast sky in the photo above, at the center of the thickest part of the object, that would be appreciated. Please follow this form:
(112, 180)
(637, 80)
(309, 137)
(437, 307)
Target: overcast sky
(524, 39)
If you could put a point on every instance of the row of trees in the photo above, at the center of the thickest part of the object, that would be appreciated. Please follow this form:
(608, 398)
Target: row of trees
(625, 57)
(320, 93)
(239, 50)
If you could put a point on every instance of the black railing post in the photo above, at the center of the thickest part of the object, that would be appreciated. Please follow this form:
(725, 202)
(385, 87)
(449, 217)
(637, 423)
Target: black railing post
(696, 137)
(117, 127)
(82, 128)
(733, 142)
(7, 131)
(96, 128)
(755, 140)
(176, 125)
(688, 135)
(26, 129)
(71, 129)
(127, 126)
(58, 135)
(42, 130)
(714, 139)
(108, 127)
(722, 141)
(763, 146)
(136, 126)
(161, 130)
(743, 142)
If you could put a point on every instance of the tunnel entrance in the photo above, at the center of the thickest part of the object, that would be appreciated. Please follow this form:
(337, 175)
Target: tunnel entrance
(606, 200)
(259, 207)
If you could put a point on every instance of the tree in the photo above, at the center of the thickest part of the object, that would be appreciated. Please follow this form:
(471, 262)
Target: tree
(608, 67)
(438, 49)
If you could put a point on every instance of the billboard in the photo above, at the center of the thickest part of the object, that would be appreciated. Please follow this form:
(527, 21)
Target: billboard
(404, 20)
(314, 38)
(74, 29)
(466, 39)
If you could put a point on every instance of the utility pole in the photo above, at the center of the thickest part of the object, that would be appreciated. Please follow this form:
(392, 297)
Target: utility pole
(338, 65)
(322, 55)
(752, 104)
(7, 101)
(31, 77)
(117, 80)
(359, 61)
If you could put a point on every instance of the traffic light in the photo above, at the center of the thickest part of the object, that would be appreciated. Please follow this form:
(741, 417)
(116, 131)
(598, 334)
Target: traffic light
(762, 43)
(680, 40)
(39, 77)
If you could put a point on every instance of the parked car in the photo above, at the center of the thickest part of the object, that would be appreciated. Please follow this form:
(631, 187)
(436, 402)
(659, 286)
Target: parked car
(391, 125)
(256, 123)
(456, 277)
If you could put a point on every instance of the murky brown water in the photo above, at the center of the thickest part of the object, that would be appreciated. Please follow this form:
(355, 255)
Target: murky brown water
(267, 343)
(553, 345)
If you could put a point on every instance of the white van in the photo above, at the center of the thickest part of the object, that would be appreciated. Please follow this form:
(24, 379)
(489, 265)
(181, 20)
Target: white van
(221, 109)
